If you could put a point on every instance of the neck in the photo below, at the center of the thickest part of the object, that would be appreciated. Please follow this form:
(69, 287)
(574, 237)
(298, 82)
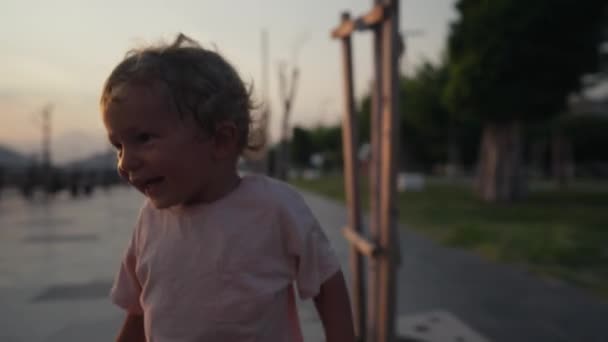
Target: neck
(230, 182)
(218, 188)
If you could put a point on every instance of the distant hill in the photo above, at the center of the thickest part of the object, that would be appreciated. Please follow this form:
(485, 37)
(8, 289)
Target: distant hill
(72, 146)
(12, 158)
(102, 160)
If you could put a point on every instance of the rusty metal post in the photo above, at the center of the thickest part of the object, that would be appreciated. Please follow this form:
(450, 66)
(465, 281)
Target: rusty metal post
(349, 141)
(389, 143)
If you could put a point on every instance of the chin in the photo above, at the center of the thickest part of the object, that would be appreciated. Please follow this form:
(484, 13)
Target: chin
(160, 204)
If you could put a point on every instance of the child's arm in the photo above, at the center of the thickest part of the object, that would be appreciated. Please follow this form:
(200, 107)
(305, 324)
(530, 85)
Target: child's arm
(333, 306)
(132, 329)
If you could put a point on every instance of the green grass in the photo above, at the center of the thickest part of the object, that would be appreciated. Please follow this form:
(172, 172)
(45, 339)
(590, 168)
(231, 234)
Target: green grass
(558, 234)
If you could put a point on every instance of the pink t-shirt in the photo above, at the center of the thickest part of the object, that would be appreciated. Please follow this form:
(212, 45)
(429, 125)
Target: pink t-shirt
(224, 271)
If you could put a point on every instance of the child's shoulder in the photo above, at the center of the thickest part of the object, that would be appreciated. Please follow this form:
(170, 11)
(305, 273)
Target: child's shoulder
(272, 191)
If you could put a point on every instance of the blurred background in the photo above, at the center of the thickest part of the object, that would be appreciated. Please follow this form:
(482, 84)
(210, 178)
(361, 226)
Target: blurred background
(503, 120)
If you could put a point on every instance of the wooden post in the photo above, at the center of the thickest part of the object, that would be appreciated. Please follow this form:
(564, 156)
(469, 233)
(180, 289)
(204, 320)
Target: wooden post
(351, 183)
(383, 249)
(389, 142)
(374, 179)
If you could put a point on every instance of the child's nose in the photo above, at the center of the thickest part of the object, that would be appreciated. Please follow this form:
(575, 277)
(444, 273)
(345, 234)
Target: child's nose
(128, 162)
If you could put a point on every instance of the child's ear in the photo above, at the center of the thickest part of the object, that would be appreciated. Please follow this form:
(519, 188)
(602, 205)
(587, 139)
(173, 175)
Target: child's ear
(225, 140)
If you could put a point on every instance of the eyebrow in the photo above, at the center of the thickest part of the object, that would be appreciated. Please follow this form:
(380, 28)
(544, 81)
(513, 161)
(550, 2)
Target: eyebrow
(128, 130)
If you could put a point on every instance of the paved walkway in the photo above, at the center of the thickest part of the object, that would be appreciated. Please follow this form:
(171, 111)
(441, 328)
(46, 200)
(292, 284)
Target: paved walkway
(57, 262)
(502, 303)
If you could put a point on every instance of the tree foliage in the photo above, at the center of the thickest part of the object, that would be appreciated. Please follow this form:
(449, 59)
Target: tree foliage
(426, 125)
(518, 60)
(324, 140)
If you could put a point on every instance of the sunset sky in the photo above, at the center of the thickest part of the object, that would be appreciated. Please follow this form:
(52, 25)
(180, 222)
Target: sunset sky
(60, 52)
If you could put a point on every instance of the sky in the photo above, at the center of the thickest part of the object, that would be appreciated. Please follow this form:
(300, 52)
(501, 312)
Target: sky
(60, 52)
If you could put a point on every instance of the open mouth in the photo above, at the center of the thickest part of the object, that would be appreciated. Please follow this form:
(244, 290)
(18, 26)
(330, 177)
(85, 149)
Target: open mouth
(151, 185)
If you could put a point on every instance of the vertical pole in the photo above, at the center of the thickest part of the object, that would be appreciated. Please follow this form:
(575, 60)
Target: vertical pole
(265, 114)
(374, 179)
(46, 138)
(265, 67)
(351, 184)
(287, 90)
(389, 141)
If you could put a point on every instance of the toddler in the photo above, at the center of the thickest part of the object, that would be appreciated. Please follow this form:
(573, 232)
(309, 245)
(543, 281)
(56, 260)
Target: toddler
(213, 256)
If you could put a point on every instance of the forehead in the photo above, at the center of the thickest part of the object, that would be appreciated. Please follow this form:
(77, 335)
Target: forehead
(130, 94)
(138, 104)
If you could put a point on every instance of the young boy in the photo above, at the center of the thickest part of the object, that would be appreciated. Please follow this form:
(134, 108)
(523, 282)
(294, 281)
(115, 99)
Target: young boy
(213, 256)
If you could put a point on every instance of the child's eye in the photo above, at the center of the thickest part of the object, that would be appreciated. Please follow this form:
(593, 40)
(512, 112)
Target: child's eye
(143, 137)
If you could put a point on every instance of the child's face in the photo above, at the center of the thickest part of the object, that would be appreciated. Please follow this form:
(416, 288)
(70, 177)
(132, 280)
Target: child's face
(161, 155)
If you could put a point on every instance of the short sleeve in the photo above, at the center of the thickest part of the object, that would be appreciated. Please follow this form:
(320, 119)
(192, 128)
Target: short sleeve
(315, 259)
(126, 289)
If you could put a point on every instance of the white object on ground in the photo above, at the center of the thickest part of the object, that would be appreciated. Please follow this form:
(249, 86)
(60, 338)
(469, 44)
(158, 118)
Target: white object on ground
(436, 326)
(410, 182)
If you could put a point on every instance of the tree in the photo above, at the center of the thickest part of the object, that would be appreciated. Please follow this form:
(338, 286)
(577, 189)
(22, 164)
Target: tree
(324, 140)
(425, 122)
(327, 140)
(430, 135)
(511, 63)
(301, 147)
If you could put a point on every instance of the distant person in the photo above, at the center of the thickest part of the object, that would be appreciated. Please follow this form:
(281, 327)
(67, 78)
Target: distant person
(213, 256)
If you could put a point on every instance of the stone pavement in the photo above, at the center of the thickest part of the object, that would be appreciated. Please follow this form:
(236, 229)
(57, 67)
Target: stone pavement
(57, 261)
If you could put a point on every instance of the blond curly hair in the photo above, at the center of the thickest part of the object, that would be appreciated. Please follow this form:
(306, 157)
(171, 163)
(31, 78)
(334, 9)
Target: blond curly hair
(200, 83)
